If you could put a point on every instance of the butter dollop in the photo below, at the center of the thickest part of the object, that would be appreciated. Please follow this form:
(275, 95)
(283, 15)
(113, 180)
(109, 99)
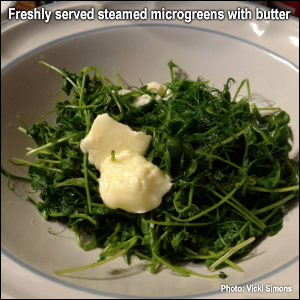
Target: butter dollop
(156, 87)
(132, 183)
(106, 135)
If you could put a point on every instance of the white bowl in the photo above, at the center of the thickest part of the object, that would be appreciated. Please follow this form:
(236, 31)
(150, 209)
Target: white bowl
(264, 52)
(5, 5)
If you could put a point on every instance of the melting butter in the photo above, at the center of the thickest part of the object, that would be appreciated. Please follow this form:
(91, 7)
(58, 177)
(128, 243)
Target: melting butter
(106, 135)
(132, 183)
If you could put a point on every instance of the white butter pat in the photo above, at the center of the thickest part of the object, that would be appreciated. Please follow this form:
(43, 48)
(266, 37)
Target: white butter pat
(168, 94)
(124, 92)
(132, 183)
(106, 135)
(142, 100)
(155, 87)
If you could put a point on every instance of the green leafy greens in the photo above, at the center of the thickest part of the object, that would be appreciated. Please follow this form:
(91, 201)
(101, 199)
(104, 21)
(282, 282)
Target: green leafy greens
(228, 163)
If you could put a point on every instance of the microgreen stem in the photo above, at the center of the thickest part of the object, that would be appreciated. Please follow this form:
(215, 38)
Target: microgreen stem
(43, 214)
(249, 94)
(77, 234)
(24, 131)
(48, 161)
(44, 115)
(211, 256)
(189, 201)
(197, 274)
(59, 178)
(119, 80)
(36, 165)
(190, 251)
(51, 144)
(233, 265)
(85, 158)
(58, 215)
(269, 108)
(219, 158)
(255, 219)
(83, 216)
(20, 119)
(59, 72)
(94, 243)
(92, 175)
(5, 173)
(212, 207)
(94, 265)
(107, 86)
(241, 230)
(281, 190)
(230, 252)
(113, 156)
(179, 224)
(116, 231)
(137, 253)
(121, 245)
(171, 66)
(270, 215)
(228, 140)
(161, 238)
(278, 203)
(81, 107)
(175, 269)
(81, 94)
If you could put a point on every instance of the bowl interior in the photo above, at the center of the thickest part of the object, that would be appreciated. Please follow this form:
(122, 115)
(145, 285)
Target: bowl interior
(135, 52)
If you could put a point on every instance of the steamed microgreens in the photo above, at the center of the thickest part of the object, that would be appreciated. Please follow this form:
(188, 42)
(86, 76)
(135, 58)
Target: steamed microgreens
(229, 167)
